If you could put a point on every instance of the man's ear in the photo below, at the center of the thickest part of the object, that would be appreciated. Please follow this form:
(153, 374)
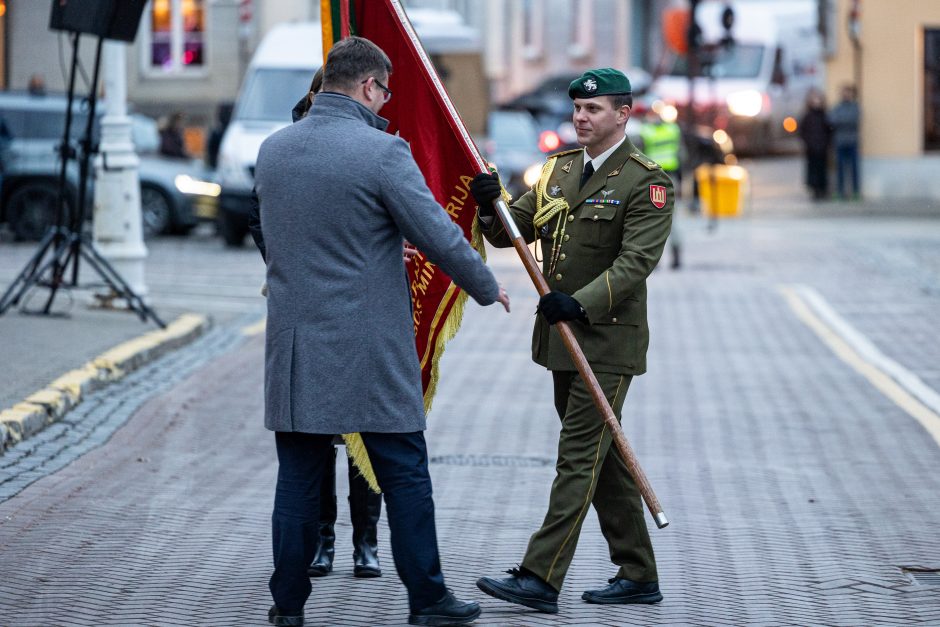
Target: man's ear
(625, 112)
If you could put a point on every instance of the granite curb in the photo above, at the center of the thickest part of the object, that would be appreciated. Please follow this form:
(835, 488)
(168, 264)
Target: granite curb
(50, 404)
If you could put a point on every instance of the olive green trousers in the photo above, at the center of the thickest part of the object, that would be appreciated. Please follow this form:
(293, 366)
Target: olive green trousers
(590, 471)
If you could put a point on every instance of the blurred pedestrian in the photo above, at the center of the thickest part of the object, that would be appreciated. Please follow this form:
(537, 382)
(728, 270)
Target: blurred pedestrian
(338, 196)
(223, 115)
(171, 137)
(36, 85)
(602, 214)
(816, 133)
(845, 118)
(661, 141)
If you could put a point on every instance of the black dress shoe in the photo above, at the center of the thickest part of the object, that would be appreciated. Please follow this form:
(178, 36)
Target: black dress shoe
(279, 620)
(622, 591)
(447, 611)
(523, 588)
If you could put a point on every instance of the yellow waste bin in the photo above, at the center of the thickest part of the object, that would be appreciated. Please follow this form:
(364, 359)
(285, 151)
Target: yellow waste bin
(721, 189)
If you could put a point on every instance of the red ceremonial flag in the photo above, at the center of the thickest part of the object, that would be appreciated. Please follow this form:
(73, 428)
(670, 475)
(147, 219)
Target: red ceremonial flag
(422, 114)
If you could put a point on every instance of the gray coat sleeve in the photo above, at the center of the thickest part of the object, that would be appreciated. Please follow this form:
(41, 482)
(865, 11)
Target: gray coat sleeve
(425, 224)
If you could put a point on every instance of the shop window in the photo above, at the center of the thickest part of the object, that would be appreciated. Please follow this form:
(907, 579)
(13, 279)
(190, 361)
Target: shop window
(533, 28)
(932, 89)
(175, 42)
(580, 44)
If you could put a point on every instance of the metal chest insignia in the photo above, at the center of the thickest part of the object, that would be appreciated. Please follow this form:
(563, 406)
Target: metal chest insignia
(555, 189)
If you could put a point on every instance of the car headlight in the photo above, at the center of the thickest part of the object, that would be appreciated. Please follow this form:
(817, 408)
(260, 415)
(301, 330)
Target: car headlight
(188, 185)
(745, 103)
(532, 174)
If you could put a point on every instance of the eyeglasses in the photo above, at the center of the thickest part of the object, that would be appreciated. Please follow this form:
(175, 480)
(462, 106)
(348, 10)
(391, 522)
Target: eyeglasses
(386, 92)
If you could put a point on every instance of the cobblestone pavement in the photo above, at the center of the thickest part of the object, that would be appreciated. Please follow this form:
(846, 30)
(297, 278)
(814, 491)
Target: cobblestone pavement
(796, 491)
(192, 274)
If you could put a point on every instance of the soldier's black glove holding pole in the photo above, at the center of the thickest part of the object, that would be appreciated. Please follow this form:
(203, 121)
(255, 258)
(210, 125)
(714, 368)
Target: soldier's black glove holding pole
(559, 307)
(486, 189)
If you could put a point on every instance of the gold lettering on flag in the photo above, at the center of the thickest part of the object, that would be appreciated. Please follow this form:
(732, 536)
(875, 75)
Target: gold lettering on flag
(459, 197)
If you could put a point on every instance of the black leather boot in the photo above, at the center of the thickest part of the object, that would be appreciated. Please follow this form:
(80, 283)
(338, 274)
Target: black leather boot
(365, 509)
(322, 563)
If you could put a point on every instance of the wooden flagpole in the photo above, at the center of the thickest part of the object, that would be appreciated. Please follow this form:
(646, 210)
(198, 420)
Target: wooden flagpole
(531, 266)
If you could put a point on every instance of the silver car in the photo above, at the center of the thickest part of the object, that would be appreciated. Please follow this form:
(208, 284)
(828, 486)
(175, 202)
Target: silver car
(175, 193)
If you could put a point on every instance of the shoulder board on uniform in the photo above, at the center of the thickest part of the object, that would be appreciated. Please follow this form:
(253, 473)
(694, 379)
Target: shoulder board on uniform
(565, 152)
(645, 161)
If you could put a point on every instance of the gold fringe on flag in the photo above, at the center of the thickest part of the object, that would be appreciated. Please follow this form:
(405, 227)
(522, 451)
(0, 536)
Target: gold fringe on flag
(356, 449)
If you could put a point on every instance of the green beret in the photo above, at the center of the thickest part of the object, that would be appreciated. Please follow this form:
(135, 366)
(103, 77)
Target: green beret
(602, 82)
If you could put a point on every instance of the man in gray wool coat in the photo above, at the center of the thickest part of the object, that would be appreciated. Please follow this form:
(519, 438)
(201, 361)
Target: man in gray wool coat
(338, 197)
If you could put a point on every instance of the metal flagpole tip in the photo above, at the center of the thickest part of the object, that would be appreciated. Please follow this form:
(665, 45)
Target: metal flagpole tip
(660, 519)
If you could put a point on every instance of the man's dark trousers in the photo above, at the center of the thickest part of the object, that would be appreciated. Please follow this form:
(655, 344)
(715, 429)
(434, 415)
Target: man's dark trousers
(400, 462)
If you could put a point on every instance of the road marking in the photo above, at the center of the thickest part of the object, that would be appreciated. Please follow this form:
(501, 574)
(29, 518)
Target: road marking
(255, 329)
(903, 387)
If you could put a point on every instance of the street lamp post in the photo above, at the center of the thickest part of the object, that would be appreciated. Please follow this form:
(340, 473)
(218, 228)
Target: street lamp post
(118, 229)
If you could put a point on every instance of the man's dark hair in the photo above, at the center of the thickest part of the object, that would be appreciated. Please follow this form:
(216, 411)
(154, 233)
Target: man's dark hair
(619, 100)
(316, 84)
(351, 61)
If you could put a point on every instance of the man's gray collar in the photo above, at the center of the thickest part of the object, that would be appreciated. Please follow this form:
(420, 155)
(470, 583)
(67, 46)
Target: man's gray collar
(332, 103)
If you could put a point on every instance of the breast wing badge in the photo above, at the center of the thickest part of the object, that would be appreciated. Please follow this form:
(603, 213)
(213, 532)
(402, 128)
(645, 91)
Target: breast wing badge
(658, 196)
(606, 192)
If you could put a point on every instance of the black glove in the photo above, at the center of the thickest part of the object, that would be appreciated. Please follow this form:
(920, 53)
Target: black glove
(485, 189)
(559, 307)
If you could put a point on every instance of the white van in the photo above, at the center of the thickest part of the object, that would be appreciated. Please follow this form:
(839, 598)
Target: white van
(757, 87)
(280, 73)
(278, 76)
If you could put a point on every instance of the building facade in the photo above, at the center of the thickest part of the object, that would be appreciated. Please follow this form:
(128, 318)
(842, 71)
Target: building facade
(528, 41)
(190, 55)
(896, 64)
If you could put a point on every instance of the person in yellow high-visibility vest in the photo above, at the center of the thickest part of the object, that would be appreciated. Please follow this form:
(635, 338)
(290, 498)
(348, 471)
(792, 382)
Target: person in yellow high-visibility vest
(662, 142)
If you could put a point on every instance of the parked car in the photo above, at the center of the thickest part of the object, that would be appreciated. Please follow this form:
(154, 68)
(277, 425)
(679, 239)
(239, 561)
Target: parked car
(512, 145)
(175, 193)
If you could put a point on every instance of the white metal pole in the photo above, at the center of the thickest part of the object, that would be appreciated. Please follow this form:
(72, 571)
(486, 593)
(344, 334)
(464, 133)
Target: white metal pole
(118, 228)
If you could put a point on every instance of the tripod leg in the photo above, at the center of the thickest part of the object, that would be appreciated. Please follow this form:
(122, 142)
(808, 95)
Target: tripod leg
(58, 270)
(28, 275)
(117, 283)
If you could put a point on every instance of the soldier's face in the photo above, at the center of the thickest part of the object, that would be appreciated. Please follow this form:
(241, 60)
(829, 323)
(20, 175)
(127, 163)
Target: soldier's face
(597, 123)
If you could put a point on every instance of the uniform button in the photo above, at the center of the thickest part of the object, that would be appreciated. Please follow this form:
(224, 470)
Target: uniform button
(570, 218)
(562, 257)
(595, 217)
(614, 319)
(558, 277)
(566, 237)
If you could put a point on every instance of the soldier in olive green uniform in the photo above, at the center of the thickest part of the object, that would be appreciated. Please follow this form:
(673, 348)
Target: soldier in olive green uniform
(601, 216)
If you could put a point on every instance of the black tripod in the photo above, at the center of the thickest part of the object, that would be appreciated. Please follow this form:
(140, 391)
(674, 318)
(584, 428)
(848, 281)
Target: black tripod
(67, 242)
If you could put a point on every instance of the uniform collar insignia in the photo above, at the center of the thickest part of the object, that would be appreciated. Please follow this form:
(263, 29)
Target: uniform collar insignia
(567, 167)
